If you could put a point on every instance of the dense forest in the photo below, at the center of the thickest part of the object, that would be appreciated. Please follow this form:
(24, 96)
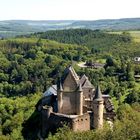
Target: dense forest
(30, 64)
(98, 41)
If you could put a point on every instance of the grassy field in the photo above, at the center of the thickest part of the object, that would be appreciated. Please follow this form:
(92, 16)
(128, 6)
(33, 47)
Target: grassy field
(134, 34)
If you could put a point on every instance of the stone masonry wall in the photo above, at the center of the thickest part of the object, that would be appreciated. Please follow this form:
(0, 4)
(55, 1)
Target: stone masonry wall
(56, 120)
(69, 103)
(81, 123)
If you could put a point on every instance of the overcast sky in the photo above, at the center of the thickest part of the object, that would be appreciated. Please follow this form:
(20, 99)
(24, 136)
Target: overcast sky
(68, 9)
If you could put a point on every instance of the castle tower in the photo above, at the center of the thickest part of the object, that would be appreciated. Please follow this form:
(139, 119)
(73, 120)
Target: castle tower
(45, 114)
(80, 100)
(59, 97)
(98, 108)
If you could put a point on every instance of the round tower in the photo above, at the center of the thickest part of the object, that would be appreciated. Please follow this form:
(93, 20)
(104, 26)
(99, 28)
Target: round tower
(98, 109)
(59, 97)
(45, 115)
(80, 100)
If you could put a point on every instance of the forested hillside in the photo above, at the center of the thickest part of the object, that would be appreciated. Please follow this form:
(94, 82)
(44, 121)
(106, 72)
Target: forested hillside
(30, 64)
(12, 28)
(98, 41)
(84, 37)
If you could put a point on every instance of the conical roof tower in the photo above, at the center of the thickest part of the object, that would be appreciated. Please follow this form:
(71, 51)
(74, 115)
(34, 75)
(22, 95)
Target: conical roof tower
(98, 94)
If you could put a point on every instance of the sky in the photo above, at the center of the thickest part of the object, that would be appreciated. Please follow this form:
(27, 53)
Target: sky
(68, 9)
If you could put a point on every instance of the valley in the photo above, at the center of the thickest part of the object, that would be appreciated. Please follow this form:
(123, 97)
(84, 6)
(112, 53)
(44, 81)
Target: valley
(31, 63)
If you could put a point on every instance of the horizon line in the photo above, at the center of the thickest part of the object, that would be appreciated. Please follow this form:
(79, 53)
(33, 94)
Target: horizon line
(70, 19)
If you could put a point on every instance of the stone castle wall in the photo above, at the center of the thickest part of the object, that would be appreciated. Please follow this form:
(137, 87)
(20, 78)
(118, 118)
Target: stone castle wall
(52, 121)
(81, 123)
(69, 103)
(88, 92)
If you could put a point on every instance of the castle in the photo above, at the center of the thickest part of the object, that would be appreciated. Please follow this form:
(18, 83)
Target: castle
(74, 101)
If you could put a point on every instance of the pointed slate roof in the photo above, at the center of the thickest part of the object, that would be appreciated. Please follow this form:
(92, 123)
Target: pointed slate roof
(82, 80)
(98, 94)
(71, 69)
(85, 82)
(73, 73)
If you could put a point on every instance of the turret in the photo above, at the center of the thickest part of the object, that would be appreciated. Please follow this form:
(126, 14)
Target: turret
(79, 100)
(45, 115)
(59, 97)
(98, 108)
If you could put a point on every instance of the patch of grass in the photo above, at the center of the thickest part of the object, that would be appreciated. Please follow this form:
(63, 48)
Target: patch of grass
(101, 61)
(134, 34)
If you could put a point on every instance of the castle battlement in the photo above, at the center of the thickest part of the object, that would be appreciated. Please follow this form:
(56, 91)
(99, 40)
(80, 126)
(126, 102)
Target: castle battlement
(76, 103)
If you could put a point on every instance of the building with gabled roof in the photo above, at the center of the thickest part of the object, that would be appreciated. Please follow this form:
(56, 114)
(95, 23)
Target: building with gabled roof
(74, 101)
